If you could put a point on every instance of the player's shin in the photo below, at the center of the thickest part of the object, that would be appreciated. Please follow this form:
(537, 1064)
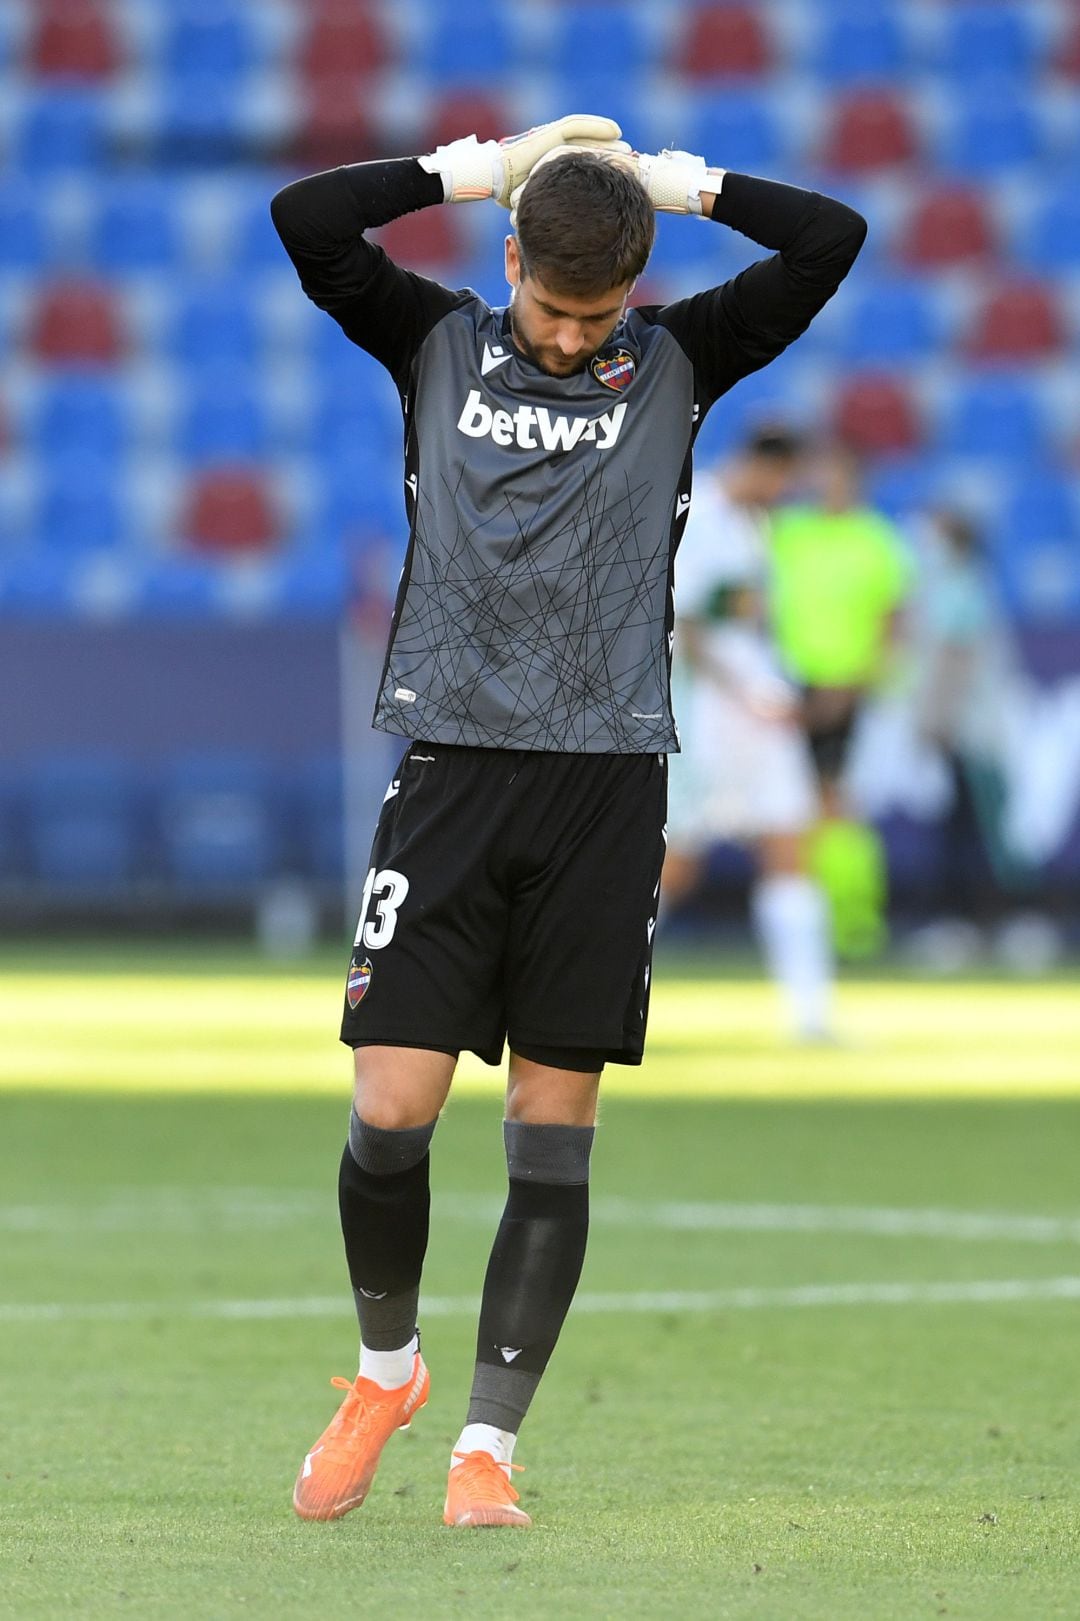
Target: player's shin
(533, 1272)
(384, 1201)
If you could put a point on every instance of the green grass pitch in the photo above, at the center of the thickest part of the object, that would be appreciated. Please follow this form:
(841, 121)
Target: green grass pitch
(823, 1364)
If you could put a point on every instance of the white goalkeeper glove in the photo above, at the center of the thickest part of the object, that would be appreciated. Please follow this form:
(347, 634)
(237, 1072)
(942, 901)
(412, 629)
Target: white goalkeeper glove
(673, 180)
(473, 170)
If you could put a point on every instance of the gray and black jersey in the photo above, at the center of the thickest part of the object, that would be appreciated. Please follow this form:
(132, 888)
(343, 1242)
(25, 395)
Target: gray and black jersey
(535, 608)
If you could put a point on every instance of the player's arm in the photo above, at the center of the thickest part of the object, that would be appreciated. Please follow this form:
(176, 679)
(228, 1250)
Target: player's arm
(322, 222)
(735, 329)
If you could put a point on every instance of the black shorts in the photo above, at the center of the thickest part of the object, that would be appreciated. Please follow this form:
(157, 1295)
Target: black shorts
(511, 895)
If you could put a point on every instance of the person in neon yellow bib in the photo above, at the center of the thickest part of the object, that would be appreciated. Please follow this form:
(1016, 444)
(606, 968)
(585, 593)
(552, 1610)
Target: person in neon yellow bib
(840, 574)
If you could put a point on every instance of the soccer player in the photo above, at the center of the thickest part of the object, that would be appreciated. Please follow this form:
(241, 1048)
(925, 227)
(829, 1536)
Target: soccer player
(744, 771)
(516, 862)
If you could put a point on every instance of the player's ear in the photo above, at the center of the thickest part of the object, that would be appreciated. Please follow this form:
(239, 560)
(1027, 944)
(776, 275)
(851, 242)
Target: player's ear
(513, 262)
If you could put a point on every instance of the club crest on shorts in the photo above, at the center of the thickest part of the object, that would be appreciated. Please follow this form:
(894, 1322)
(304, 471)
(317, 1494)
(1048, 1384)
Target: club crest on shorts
(616, 370)
(359, 980)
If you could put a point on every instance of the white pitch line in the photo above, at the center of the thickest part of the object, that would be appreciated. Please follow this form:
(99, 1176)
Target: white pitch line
(994, 1291)
(252, 1209)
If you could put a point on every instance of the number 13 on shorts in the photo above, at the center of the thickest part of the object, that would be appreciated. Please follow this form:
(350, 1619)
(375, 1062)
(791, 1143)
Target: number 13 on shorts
(388, 889)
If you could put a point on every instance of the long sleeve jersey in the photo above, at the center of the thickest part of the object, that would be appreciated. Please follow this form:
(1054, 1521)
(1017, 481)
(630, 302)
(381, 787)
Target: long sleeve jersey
(535, 609)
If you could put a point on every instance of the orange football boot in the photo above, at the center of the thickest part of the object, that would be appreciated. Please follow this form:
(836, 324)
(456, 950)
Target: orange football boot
(479, 1492)
(340, 1467)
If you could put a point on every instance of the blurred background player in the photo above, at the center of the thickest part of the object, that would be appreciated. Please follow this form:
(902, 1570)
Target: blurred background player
(745, 771)
(840, 573)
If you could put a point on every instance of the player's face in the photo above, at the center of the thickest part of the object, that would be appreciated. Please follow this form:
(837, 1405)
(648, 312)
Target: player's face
(559, 331)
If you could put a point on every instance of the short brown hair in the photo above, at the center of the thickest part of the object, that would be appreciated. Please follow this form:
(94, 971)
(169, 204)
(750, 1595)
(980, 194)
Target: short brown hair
(584, 224)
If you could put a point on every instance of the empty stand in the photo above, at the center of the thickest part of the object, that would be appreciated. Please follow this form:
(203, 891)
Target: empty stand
(724, 42)
(1020, 321)
(73, 39)
(76, 323)
(948, 226)
(229, 509)
(876, 415)
(870, 129)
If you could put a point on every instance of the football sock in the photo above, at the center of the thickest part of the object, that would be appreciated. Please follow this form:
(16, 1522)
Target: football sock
(384, 1200)
(390, 1369)
(534, 1268)
(792, 922)
(485, 1438)
(848, 860)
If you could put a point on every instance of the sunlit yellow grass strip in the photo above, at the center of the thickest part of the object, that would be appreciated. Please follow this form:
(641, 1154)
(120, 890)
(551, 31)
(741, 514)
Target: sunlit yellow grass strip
(183, 1032)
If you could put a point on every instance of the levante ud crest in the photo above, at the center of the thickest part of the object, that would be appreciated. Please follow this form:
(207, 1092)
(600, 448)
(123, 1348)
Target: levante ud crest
(359, 980)
(616, 370)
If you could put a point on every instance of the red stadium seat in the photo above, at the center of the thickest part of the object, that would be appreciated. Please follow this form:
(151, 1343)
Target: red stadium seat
(947, 227)
(428, 239)
(229, 509)
(1067, 55)
(465, 113)
(333, 127)
(72, 39)
(342, 40)
(76, 323)
(1021, 321)
(724, 42)
(875, 414)
(870, 129)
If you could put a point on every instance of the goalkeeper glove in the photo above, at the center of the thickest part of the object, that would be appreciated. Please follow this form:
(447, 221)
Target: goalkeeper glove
(673, 180)
(472, 170)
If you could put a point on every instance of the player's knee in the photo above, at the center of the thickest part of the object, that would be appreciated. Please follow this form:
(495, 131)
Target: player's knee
(397, 1088)
(386, 1150)
(551, 1156)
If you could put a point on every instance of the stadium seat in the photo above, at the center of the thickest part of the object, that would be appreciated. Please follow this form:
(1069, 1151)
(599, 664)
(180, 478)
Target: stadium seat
(76, 323)
(136, 227)
(229, 509)
(220, 821)
(738, 129)
(224, 419)
(179, 588)
(1066, 60)
(988, 41)
(342, 38)
(611, 37)
(948, 225)
(83, 821)
(1043, 506)
(991, 132)
(314, 582)
(254, 244)
(869, 130)
(1021, 321)
(207, 41)
(214, 322)
(24, 239)
(996, 416)
(1050, 241)
(858, 44)
(724, 42)
(334, 125)
(81, 414)
(1039, 576)
(73, 39)
(465, 112)
(81, 505)
(875, 414)
(425, 240)
(904, 484)
(470, 44)
(62, 129)
(890, 322)
(199, 122)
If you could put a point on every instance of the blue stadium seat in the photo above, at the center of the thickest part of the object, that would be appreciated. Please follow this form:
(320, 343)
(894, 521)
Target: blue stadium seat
(860, 43)
(1039, 576)
(24, 239)
(81, 414)
(208, 41)
(1042, 506)
(314, 581)
(255, 244)
(179, 588)
(136, 226)
(1051, 242)
(199, 122)
(224, 418)
(82, 505)
(34, 585)
(470, 44)
(889, 322)
(625, 98)
(989, 132)
(609, 39)
(62, 129)
(739, 130)
(993, 41)
(83, 821)
(220, 821)
(904, 484)
(214, 322)
(996, 415)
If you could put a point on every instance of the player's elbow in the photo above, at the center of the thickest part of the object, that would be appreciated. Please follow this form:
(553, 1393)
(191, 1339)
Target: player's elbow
(849, 230)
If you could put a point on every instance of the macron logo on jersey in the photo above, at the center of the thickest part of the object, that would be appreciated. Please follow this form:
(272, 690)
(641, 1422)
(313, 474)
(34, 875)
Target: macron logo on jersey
(494, 355)
(534, 427)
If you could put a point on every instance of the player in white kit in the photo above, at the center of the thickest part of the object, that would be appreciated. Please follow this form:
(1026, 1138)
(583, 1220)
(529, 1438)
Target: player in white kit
(745, 773)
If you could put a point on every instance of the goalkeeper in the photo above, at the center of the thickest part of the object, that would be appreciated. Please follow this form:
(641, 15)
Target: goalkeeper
(511, 897)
